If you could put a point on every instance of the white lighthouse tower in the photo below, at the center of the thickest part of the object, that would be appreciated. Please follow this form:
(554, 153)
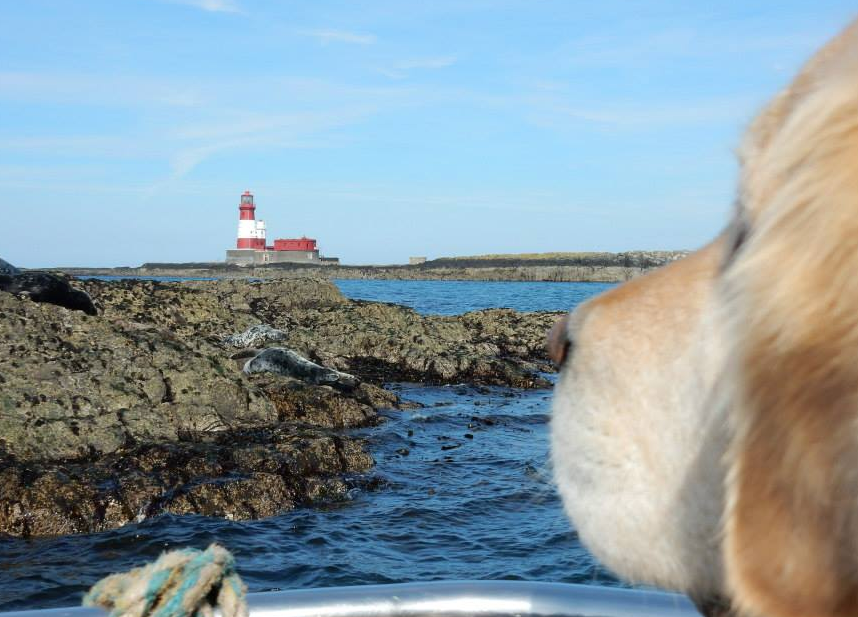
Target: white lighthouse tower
(251, 233)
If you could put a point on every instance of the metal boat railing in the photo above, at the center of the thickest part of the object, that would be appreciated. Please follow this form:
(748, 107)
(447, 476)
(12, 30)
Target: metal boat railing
(448, 599)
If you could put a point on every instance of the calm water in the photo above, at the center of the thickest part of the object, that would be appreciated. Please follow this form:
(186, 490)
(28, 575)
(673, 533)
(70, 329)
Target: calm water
(453, 506)
(454, 297)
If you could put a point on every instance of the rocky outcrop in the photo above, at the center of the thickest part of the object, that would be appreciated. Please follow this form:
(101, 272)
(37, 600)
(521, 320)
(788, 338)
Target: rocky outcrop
(383, 342)
(145, 408)
(373, 341)
(76, 387)
(240, 475)
(107, 420)
(601, 267)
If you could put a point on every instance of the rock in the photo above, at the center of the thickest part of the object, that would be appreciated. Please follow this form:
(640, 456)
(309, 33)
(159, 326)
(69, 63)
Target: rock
(110, 421)
(73, 388)
(246, 476)
(146, 410)
(256, 336)
(289, 364)
(47, 287)
(373, 341)
(7, 268)
(324, 406)
(383, 343)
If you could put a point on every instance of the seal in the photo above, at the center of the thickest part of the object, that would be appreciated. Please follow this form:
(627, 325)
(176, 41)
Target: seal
(49, 288)
(7, 268)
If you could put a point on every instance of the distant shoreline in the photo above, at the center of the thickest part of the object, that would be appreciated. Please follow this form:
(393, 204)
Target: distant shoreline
(548, 267)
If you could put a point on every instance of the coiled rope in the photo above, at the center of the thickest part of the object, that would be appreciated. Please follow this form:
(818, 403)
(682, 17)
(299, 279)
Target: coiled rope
(181, 583)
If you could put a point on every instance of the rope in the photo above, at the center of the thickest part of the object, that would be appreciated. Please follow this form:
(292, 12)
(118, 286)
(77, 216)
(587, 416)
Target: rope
(181, 583)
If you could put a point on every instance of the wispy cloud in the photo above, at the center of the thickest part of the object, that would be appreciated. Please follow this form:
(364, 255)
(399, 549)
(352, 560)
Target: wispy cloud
(631, 48)
(122, 90)
(566, 114)
(282, 131)
(196, 120)
(340, 36)
(213, 6)
(402, 68)
(438, 62)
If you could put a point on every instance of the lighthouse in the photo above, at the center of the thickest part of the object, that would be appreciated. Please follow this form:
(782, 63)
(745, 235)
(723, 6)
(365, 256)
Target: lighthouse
(251, 233)
(251, 248)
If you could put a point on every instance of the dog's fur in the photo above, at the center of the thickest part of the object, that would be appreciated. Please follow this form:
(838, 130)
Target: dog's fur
(705, 424)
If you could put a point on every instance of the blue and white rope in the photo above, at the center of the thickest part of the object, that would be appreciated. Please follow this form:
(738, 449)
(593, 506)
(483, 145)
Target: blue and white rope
(181, 583)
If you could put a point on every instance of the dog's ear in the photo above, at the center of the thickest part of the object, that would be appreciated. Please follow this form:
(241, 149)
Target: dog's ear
(790, 299)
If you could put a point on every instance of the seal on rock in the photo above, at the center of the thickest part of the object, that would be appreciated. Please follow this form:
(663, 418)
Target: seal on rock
(45, 287)
(288, 363)
(7, 268)
(255, 336)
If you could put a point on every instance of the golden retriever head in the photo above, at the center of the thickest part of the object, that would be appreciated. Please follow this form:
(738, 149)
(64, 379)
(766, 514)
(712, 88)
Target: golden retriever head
(705, 423)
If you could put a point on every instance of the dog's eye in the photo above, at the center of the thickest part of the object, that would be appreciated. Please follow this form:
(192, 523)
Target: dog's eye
(737, 234)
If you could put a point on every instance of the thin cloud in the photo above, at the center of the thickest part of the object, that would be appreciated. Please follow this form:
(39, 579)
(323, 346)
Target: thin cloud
(560, 114)
(627, 49)
(438, 62)
(198, 143)
(401, 69)
(114, 90)
(212, 6)
(340, 36)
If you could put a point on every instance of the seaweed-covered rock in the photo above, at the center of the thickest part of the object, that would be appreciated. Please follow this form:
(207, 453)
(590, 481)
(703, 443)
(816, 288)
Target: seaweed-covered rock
(145, 409)
(240, 476)
(373, 341)
(111, 420)
(75, 387)
(296, 401)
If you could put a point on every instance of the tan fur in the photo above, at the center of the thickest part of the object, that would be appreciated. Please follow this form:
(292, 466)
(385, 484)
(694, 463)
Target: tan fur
(767, 322)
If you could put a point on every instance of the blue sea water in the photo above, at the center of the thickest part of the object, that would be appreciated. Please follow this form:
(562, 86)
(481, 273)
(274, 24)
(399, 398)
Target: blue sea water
(455, 297)
(467, 493)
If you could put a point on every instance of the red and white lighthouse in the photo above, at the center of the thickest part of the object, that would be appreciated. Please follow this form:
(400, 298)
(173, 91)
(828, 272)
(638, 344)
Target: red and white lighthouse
(251, 233)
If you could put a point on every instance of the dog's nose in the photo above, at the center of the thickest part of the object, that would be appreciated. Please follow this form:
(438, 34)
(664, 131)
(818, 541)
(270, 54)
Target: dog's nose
(558, 341)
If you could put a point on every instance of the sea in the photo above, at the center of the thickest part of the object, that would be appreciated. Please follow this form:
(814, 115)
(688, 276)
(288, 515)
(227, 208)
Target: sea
(466, 492)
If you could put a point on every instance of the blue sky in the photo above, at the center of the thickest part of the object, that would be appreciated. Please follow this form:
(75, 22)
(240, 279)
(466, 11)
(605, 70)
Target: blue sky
(384, 128)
